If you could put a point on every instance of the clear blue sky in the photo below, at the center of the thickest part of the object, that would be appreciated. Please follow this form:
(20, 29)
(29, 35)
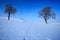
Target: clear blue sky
(28, 9)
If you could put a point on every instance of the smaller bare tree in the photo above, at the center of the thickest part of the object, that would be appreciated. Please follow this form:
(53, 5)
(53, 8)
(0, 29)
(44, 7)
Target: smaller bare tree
(10, 10)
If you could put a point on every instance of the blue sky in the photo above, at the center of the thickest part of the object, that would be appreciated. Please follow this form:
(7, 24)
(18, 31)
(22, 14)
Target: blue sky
(28, 9)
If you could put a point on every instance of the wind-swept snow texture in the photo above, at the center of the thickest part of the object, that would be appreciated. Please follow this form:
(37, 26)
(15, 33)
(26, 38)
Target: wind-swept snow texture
(17, 29)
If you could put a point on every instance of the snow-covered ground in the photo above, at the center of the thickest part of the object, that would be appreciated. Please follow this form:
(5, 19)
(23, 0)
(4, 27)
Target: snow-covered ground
(17, 29)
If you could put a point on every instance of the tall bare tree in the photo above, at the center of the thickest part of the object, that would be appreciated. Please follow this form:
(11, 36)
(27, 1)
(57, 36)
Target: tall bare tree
(47, 13)
(9, 9)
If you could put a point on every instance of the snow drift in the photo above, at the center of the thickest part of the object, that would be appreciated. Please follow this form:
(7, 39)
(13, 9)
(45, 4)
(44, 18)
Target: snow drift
(17, 29)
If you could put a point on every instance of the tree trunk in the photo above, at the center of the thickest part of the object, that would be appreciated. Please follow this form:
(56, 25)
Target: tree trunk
(9, 16)
(46, 20)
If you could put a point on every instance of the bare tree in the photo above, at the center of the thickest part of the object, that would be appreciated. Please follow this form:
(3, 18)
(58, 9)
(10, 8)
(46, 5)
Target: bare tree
(47, 13)
(10, 10)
